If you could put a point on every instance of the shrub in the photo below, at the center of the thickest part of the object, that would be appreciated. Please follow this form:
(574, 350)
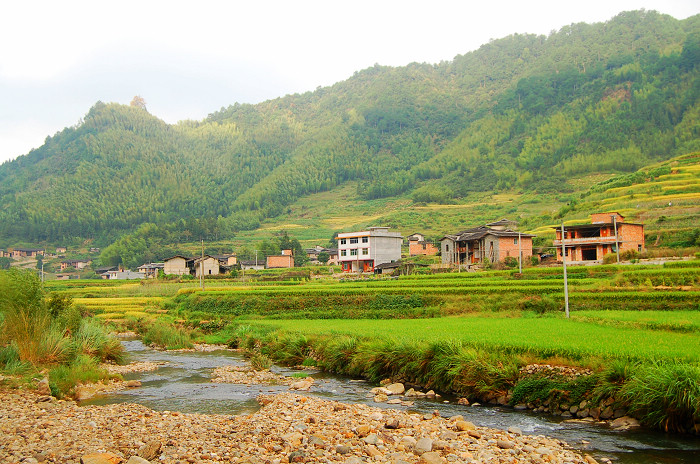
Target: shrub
(92, 339)
(84, 369)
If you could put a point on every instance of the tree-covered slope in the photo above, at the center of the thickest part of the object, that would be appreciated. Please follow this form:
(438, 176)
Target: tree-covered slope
(526, 113)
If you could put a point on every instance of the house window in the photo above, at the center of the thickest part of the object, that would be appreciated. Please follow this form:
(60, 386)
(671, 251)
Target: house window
(365, 251)
(343, 252)
(353, 241)
(342, 241)
(353, 252)
(515, 241)
(365, 239)
(447, 248)
(639, 248)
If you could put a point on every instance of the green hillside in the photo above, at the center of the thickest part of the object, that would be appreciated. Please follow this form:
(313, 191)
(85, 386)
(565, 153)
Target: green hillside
(521, 127)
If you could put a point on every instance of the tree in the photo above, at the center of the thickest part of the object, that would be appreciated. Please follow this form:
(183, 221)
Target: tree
(5, 262)
(138, 102)
(324, 256)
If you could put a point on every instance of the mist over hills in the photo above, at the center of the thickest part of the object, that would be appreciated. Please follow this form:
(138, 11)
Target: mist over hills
(525, 113)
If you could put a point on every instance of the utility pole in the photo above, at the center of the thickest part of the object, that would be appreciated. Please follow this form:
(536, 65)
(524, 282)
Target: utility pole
(520, 253)
(617, 241)
(201, 268)
(256, 260)
(566, 283)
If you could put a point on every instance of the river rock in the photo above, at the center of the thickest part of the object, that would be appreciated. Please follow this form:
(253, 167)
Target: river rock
(515, 430)
(133, 384)
(296, 456)
(505, 444)
(270, 435)
(543, 450)
(42, 387)
(380, 398)
(396, 389)
(137, 460)
(624, 422)
(101, 458)
(463, 426)
(423, 445)
(392, 424)
(363, 430)
(607, 413)
(151, 450)
(302, 385)
(431, 458)
(463, 402)
(371, 439)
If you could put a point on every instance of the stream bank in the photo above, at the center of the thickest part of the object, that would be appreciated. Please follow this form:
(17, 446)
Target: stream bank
(183, 383)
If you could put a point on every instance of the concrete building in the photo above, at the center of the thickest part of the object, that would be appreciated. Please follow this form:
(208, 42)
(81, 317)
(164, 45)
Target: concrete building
(178, 265)
(150, 270)
(78, 264)
(362, 251)
(591, 242)
(124, 275)
(208, 265)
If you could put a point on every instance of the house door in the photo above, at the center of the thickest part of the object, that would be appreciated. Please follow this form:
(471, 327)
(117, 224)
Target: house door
(589, 253)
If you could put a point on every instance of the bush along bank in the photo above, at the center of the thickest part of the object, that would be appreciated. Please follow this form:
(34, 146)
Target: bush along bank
(664, 396)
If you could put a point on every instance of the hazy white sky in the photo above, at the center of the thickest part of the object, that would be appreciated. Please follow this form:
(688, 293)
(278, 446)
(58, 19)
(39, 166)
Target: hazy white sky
(188, 59)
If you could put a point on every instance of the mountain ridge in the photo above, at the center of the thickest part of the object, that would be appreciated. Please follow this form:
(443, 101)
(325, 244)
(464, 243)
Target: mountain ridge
(510, 116)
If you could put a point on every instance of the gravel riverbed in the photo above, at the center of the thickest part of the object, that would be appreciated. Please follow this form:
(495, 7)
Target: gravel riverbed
(288, 428)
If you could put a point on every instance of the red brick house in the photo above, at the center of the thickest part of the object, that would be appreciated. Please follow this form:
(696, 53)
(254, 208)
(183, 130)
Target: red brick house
(492, 242)
(591, 242)
(286, 259)
(417, 246)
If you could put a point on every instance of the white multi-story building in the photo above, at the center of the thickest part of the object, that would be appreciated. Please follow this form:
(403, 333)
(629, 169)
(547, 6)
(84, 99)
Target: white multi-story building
(362, 251)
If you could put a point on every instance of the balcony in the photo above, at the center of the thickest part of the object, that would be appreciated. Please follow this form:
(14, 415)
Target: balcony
(585, 241)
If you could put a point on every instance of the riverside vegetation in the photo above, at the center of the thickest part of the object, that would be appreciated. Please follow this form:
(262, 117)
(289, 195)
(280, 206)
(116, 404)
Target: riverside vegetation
(631, 345)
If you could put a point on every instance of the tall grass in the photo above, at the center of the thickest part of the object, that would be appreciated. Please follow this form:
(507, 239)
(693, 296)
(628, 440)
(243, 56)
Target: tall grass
(665, 395)
(166, 336)
(26, 318)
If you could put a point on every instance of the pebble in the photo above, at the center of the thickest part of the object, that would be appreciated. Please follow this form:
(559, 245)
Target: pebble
(62, 431)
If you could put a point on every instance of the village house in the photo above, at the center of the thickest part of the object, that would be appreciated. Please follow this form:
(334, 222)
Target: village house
(591, 242)
(492, 242)
(5, 254)
(103, 270)
(123, 275)
(61, 249)
(78, 264)
(363, 251)
(313, 254)
(17, 253)
(286, 259)
(227, 260)
(207, 266)
(418, 245)
(252, 265)
(150, 270)
(178, 265)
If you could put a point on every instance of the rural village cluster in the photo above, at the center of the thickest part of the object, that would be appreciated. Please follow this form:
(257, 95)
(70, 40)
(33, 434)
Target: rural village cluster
(378, 250)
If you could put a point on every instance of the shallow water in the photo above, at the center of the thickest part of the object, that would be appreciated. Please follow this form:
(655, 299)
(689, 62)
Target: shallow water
(183, 384)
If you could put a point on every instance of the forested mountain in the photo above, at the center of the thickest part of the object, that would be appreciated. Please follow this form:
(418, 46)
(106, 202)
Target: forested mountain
(525, 112)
